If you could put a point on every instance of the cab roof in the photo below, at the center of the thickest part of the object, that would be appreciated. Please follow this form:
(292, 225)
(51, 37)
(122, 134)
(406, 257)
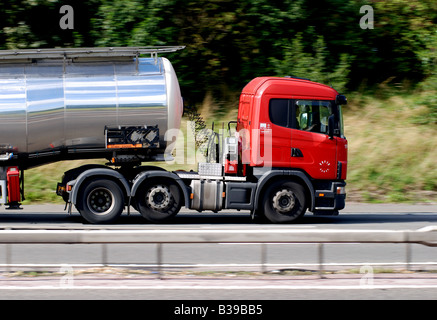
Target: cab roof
(302, 85)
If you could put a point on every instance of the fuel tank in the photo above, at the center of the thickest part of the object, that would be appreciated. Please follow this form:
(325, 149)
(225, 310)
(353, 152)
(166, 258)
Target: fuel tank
(49, 106)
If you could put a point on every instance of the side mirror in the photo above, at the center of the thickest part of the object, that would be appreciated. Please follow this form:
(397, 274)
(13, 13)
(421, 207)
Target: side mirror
(340, 99)
(331, 124)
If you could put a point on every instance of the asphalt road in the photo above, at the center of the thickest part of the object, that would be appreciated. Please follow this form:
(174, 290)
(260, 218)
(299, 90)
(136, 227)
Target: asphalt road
(226, 257)
(354, 216)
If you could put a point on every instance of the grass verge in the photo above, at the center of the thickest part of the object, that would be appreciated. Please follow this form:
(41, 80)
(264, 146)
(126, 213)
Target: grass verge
(392, 158)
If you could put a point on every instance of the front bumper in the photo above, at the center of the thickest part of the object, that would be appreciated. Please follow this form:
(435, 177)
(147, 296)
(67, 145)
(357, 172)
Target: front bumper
(328, 201)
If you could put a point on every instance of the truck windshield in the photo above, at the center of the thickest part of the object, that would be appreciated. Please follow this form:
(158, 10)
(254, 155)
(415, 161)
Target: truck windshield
(340, 121)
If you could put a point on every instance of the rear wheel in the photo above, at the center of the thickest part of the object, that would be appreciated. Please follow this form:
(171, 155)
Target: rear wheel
(284, 202)
(100, 201)
(159, 200)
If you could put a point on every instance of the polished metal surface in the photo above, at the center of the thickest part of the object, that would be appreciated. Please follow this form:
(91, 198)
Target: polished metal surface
(52, 104)
(22, 55)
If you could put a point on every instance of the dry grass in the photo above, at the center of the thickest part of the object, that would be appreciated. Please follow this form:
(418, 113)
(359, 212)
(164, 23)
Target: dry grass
(390, 157)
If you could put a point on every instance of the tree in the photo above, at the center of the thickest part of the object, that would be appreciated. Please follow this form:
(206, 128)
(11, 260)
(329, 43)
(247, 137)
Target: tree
(230, 42)
(312, 65)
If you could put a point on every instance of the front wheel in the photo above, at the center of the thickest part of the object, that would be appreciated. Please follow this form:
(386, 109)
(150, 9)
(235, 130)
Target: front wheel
(100, 201)
(284, 202)
(159, 200)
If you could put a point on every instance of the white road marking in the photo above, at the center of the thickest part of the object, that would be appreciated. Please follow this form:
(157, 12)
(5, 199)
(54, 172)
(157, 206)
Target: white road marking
(221, 265)
(229, 287)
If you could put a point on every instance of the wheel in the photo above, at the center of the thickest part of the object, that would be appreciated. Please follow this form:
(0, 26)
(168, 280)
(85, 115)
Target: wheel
(159, 200)
(100, 201)
(284, 202)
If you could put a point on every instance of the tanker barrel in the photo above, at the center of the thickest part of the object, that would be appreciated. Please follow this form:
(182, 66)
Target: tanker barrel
(61, 100)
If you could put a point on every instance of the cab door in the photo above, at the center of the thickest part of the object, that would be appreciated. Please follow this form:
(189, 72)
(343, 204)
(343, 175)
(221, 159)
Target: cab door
(313, 150)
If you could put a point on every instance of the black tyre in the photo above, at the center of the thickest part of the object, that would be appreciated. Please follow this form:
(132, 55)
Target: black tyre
(159, 200)
(100, 201)
(284, 202)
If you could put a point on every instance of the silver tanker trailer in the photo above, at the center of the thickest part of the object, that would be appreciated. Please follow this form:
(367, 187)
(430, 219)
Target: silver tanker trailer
(79, 103)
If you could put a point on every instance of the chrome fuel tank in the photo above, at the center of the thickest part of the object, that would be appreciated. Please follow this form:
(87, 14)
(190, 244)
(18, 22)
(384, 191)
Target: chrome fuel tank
(49, 105)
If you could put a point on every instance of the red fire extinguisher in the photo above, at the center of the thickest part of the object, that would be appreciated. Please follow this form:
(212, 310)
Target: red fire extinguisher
(13, 182)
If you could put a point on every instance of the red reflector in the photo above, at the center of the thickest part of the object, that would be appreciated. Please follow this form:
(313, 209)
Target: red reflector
(231, 166)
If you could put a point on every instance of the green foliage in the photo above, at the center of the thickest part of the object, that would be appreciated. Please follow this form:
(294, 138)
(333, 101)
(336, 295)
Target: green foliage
(230, 42)
(312, 65)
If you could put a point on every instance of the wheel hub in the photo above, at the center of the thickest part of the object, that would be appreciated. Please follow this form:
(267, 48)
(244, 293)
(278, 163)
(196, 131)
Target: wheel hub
(100, 201)
(284, 201)
(158, 197)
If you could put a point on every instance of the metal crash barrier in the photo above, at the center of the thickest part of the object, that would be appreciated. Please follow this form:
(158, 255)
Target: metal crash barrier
(426, 236)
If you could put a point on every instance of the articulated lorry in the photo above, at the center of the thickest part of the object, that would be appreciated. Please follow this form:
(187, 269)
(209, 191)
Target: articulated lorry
(285, 154)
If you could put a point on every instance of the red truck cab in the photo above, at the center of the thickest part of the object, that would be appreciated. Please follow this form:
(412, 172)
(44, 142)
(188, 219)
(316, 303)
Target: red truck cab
(296, 124)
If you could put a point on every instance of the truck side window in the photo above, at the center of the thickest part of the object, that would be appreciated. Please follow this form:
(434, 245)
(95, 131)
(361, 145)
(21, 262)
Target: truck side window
(313, 115)
(280, 112)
